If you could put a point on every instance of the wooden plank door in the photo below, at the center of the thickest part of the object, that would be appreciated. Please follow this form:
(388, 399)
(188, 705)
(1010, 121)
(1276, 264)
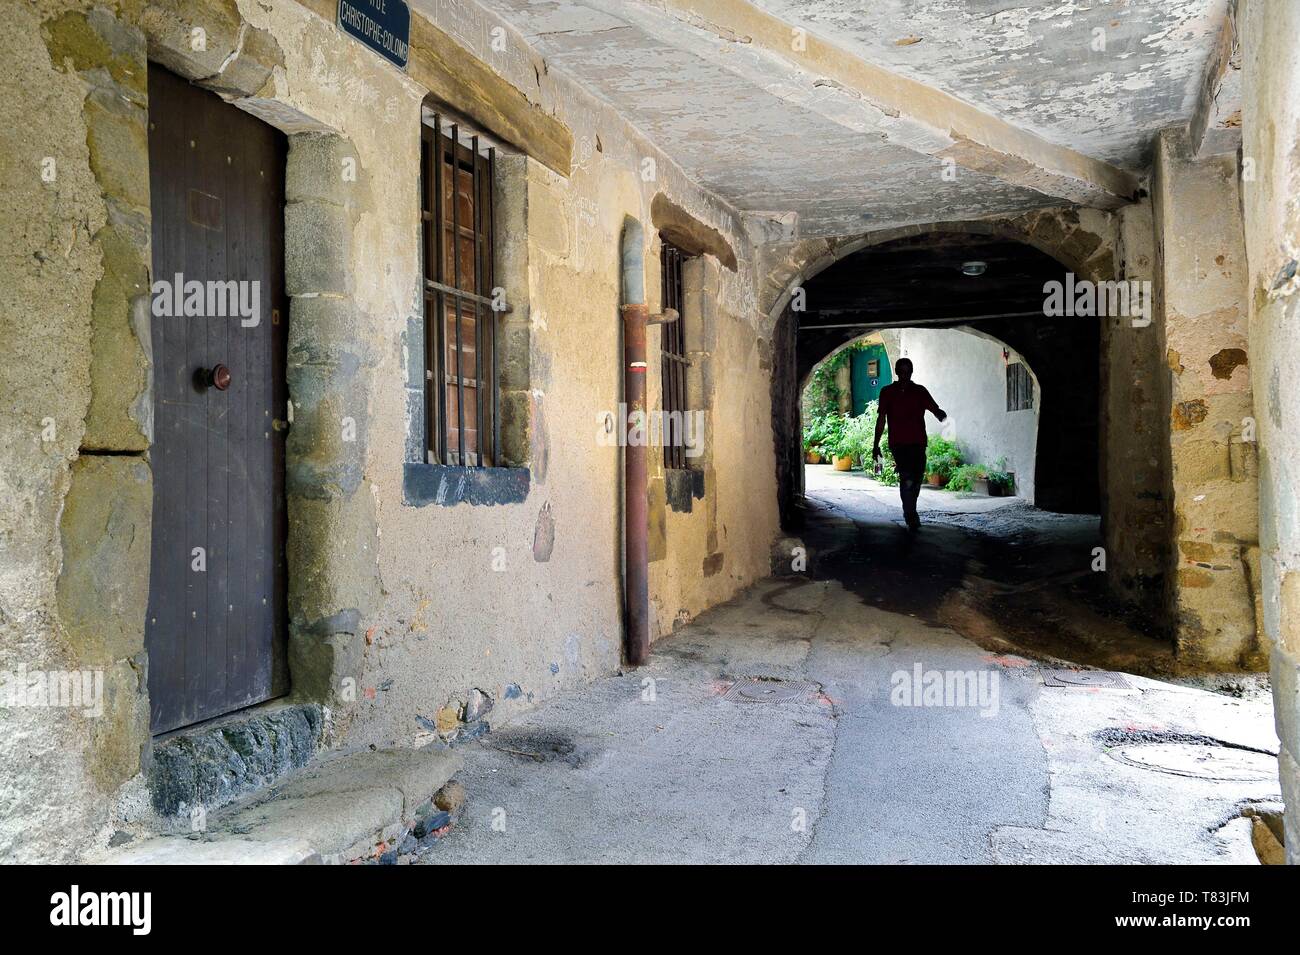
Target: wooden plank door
(217, 621)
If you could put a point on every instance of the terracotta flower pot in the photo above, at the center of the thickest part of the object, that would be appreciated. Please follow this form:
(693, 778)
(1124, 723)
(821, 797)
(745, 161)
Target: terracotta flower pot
(813, 457)
(843, 463)
(935, 480)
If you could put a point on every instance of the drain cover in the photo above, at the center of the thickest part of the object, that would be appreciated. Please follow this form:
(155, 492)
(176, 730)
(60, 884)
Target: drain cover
(1199, 761)
(1086, 678)
(757, 689)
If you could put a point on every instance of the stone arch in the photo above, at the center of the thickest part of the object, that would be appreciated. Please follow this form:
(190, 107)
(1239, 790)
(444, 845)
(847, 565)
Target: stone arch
(1027, 466)
(1083, 241)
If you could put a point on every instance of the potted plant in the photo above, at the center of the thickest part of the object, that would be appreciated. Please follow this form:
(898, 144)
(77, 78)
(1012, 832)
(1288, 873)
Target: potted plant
(814, 435)
(833, 444)
(1000, 482)
(860, 436)
(859, 433)
(970, 477)
(942, 457)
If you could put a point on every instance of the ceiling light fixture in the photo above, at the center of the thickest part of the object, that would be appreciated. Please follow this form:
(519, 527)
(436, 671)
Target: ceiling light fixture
(973, 268)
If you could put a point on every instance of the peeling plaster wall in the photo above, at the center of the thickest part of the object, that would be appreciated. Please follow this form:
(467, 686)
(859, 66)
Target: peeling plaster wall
(1040, 65)
(704, 548)
(406, 598)
(1271, 144)
(737, 117)
(719, 86)
(1213, 463)
(554, 621)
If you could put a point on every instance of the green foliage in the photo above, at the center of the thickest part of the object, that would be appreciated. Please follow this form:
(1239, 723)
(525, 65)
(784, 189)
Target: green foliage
(814, 433)
(964, 477)
(821, 396)
(942, 457)
(863, 434)
(858, 435)
(836, 434)
(999, 478)
(888, 471)
(825, 433)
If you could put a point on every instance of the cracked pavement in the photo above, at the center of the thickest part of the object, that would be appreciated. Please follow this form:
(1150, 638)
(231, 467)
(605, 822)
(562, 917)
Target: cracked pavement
(658, 765)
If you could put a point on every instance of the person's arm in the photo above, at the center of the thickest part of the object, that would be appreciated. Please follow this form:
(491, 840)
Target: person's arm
(933, 407)
(880, 427)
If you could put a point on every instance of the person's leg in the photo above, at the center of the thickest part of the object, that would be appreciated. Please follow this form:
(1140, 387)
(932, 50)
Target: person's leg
(918, 476)
(914, 493)
(909, 460)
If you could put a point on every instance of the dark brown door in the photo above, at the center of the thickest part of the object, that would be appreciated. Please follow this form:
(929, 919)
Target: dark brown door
(216, 626)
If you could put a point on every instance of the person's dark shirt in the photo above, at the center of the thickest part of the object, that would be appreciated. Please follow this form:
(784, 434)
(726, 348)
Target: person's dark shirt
(903, 406)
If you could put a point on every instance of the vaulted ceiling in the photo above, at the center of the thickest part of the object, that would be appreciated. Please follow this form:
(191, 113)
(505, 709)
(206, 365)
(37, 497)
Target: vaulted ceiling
(848, 116)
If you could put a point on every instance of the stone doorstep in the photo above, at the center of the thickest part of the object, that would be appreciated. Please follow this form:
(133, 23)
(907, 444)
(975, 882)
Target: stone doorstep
(337, 811)
(232, 759)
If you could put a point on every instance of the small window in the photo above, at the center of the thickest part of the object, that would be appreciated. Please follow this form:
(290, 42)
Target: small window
(1020, 387)
(460, 323)
(673, 356)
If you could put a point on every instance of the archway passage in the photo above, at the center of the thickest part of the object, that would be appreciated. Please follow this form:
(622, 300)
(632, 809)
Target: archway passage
(1014, 573)
(923, 282)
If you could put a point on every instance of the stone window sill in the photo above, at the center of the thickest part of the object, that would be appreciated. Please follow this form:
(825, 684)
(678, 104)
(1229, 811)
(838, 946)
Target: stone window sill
(682, 487)
(446, 485)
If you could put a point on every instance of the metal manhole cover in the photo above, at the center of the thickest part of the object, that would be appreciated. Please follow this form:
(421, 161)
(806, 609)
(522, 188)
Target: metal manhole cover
(756, 689)
(1085, 678)
(1199, 761)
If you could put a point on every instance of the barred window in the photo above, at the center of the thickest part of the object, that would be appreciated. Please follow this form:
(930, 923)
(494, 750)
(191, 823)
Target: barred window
(673, 355)
(1020, 387)
(460, 321)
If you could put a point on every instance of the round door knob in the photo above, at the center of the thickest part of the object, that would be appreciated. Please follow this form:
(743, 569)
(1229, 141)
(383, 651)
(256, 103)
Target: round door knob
(219, 377)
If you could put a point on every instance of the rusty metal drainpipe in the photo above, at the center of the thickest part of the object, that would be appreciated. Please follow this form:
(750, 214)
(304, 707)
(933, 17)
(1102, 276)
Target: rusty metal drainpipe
(636, 504)
(636, 531)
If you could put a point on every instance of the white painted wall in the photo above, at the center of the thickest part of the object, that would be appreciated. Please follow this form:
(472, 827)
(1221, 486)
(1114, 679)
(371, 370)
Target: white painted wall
(967, 375)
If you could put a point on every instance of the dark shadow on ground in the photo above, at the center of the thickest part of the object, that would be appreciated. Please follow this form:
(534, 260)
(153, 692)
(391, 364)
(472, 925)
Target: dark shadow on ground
(1013, 580)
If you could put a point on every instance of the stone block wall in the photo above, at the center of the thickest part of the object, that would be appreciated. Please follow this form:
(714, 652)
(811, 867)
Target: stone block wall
(1202, 307)
(1270, 158)
(408, 617)
(75, 482)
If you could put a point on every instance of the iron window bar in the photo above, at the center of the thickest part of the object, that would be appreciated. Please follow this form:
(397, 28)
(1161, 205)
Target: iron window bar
(460, 294)
(433, 286)
(673, 351)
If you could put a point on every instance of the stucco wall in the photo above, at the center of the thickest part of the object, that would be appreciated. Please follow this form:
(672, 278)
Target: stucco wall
(440, 600)
(1271, 153)
(1202, 306)
(967, 376)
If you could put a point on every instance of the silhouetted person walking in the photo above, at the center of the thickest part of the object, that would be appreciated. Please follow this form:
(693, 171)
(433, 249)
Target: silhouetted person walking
(903, 406)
